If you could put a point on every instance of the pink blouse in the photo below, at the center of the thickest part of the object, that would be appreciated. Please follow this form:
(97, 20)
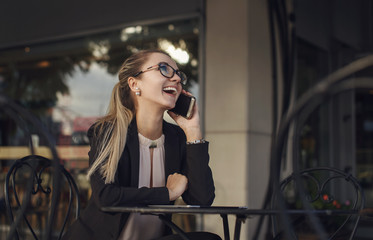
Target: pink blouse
(151, 174)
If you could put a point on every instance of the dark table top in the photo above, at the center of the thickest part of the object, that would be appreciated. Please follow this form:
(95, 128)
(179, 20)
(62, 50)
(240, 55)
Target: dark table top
(235, 210)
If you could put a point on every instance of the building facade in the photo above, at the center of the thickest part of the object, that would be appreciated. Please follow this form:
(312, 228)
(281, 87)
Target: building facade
(50, 52)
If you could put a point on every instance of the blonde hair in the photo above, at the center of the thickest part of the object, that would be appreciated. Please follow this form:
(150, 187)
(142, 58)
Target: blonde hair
(112, 128)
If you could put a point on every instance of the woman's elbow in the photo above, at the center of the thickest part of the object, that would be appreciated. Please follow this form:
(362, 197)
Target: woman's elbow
(203, 199)
(208, 200)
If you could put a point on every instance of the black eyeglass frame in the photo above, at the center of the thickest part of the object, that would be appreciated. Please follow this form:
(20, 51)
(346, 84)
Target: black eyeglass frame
(181, 74)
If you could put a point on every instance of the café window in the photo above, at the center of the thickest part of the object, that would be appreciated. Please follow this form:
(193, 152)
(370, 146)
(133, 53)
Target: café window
(67, 84)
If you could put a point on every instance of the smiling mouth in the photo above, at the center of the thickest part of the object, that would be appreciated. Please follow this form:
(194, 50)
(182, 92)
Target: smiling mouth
(170, 90)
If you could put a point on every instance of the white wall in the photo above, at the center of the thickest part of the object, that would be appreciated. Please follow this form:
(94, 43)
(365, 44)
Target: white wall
(238, 105)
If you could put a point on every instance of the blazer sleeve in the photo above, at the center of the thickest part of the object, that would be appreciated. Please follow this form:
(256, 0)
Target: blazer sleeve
(116, 195)
(201, 189)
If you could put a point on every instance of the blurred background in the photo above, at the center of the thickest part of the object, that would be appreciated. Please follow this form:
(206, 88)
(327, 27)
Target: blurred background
(247, 62)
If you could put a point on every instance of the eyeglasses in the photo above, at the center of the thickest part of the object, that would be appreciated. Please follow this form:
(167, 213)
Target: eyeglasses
(166, 71)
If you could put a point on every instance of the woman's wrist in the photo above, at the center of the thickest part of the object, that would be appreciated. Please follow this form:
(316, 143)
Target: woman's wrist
(195, 137)
(193, 134)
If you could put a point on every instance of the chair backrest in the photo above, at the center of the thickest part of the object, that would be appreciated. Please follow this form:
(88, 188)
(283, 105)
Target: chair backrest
(321, 188)
(41, 199)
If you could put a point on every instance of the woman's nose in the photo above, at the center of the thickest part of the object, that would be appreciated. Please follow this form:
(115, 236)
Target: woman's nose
(175, 78)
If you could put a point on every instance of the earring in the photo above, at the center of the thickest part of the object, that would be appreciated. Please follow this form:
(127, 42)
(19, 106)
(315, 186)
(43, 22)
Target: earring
(138, 92)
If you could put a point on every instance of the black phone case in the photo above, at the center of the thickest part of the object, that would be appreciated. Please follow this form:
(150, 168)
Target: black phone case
(184, 106)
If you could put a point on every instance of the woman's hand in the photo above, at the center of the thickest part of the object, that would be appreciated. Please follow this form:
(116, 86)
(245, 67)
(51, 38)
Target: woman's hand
(191, 127)
(176, 185)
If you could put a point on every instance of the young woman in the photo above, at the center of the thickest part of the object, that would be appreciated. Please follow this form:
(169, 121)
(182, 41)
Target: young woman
(136, 158)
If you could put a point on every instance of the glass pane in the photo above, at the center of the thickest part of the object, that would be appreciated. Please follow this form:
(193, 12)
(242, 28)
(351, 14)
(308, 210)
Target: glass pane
(67, 85)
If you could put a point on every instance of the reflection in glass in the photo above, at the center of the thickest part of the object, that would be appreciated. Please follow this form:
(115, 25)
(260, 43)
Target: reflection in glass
(67, 84)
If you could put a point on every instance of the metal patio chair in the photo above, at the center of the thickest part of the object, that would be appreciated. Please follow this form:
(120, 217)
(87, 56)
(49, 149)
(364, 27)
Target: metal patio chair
(320, 188)
(34, 207)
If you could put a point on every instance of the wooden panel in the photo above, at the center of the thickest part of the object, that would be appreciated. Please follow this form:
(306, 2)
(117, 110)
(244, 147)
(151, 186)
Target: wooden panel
(65, 153)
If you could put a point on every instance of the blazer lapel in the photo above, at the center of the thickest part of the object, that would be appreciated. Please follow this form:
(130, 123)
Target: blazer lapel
(172, 152)
(134, 152)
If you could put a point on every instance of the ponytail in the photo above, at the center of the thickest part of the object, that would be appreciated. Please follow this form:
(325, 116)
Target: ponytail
(113, 137)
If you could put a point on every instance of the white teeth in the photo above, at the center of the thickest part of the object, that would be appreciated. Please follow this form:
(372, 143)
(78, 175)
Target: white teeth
(172, 89)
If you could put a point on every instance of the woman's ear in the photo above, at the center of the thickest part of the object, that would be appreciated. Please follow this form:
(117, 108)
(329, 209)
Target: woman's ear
(132, 83)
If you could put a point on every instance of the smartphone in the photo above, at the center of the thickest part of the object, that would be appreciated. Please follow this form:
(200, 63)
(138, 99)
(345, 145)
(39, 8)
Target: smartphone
(184, 106)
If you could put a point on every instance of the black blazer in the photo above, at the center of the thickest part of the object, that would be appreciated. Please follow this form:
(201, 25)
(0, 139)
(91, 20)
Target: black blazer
(190, 160)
